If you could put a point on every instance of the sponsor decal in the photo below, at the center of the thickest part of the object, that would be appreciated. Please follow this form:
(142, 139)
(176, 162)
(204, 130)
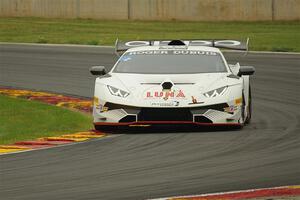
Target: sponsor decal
(140, 125)
(165, 94)
(125, 58)
(231, 109)
(172, 52)
(238, 101)
(195, 101)
(162, 104)
(98, 105)
(137, 43)
(186, 42)
(189, 52)
(103, 109)
(149, 52)
(96, 101)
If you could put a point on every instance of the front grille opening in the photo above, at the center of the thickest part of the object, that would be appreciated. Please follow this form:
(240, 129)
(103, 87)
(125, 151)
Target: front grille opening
(165, 114)
(128, 118)
(202, 119)
(219, 107)
(113, 106)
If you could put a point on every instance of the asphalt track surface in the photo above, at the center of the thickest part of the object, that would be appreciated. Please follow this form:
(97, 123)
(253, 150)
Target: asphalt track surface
(139, 166)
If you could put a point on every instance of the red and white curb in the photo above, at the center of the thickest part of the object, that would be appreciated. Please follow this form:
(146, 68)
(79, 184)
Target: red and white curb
(275, 192)
(79, 104)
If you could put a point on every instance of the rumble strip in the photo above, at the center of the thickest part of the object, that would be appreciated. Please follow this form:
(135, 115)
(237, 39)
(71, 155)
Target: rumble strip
(79, 104)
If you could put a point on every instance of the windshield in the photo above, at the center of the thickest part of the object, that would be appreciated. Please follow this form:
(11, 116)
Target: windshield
(170, 62)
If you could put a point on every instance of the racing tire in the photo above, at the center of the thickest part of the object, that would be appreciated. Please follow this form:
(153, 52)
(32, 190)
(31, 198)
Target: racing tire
(102, 128)
(109, 129)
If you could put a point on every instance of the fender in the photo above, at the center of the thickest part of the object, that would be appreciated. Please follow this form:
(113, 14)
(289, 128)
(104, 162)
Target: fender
(246, 83)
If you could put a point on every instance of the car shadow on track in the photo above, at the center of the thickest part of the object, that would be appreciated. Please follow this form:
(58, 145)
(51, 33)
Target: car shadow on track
(161, 129)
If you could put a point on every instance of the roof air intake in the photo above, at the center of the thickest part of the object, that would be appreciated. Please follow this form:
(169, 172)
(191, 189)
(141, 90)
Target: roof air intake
(167, 85)
(176, 43)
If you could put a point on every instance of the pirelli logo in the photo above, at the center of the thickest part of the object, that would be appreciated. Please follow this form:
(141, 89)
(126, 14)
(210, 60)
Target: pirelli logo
(186, 42)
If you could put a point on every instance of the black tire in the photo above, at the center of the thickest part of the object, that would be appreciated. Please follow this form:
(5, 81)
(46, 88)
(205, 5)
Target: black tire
(248, 118)
(98, 128)
(103, 128)
(109, 129)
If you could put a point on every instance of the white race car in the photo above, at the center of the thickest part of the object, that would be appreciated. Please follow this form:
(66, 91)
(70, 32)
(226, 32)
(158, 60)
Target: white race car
(173, 82)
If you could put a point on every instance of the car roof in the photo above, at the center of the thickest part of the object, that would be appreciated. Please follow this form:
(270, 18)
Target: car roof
(195, 48)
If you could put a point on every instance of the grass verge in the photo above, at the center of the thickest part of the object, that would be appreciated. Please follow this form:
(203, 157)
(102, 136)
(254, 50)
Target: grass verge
(21, 119)
(265, 36)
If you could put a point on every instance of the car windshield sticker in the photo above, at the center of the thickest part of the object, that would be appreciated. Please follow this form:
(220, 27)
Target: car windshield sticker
(126, 58)
(173, 52)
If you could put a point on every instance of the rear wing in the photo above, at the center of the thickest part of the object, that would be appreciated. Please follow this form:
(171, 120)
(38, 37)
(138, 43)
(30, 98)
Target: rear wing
(122, 46)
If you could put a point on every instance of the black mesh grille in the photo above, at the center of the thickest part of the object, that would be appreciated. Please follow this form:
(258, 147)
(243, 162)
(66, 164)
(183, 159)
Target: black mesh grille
(165, 114)
(219, 107)
(129, 118)
(202, 119)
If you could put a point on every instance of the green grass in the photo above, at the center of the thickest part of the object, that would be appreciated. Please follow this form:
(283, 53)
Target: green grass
(21, 119)
(267, 36)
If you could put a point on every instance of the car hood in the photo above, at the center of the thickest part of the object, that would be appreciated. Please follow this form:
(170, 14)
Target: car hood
(147, 89)
(203, 82)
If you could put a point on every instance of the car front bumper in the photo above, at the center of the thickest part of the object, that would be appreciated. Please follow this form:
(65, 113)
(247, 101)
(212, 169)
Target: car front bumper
(212, 115)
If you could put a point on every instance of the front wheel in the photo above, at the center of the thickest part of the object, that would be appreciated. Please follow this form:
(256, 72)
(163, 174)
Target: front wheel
(109, 128)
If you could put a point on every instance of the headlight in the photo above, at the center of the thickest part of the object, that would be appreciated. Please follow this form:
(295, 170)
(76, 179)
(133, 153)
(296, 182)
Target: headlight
(216, 92)
(117, 92)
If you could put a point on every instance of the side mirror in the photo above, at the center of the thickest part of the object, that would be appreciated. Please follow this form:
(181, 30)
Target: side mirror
(246, 70)
(98, 70)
